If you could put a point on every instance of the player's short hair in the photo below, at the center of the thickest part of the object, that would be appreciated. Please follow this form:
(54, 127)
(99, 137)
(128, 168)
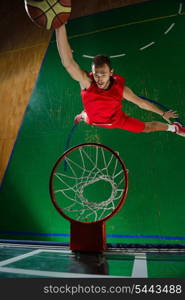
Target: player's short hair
(99, 60)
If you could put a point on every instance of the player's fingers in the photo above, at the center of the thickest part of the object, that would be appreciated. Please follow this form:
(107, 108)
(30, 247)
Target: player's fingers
(172, 113)
(175, 115)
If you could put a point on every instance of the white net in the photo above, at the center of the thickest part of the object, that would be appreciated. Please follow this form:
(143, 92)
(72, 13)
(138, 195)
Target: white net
(88, 185)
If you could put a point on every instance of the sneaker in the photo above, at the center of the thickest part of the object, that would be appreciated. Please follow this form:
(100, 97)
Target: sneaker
(79, 118)
(180, 130)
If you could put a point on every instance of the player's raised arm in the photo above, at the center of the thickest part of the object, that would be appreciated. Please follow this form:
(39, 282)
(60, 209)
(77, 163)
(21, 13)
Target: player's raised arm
(67, 59)
(129, 95)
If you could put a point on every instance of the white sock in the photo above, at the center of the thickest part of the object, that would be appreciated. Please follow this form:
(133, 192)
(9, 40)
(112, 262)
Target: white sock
(171, 128)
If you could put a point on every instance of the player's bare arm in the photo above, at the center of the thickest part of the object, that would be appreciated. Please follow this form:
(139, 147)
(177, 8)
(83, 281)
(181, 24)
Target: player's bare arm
(129, 95)
(67, 59)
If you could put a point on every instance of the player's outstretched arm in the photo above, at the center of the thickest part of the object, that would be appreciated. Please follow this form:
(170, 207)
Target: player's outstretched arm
(67, 59)
(129, 95)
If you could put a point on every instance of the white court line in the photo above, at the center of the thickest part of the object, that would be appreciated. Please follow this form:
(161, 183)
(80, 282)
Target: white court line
(140, 266)
(57, 251)
(19, 257)
(118, 55)
(54, 274)
(170, 28)
(87, 56)
(112, 56)
(146, 46)
(180, 9)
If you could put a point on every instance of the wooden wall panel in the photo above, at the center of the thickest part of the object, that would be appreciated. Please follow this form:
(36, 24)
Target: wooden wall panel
(19, 70)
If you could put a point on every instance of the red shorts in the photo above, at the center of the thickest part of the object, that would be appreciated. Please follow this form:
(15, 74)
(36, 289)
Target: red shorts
(125, 122)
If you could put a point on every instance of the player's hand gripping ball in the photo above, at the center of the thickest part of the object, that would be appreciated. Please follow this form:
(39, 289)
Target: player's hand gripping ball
(49, 14)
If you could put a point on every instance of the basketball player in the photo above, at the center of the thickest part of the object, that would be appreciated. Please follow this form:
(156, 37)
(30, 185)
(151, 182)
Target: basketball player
(102, 93)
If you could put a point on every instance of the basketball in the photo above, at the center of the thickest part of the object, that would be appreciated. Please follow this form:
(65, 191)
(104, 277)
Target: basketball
(48, 14)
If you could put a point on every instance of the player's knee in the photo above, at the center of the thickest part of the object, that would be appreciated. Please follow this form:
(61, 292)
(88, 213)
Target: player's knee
(151, 126)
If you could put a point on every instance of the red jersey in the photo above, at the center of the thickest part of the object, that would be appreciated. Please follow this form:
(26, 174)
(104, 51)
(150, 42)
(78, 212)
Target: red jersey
(104, 106)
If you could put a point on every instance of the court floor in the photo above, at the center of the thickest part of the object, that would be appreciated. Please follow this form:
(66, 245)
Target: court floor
(59, 262)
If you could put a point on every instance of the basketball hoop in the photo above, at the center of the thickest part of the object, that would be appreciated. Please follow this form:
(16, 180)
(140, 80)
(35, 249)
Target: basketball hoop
(88, 185)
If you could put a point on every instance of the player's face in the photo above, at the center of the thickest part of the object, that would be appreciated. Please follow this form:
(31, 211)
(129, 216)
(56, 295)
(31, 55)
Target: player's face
(102, 76)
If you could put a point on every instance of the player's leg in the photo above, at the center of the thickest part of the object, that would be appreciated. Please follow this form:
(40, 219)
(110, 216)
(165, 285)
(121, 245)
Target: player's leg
(156, 126)
(130, 124)
(135, 125)
(159, 126)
